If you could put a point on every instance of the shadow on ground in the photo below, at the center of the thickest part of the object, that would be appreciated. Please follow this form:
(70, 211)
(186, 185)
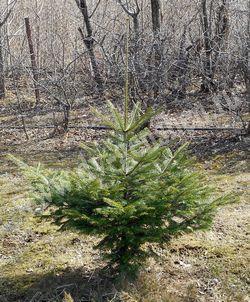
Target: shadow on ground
(82, 285)
(233, 153)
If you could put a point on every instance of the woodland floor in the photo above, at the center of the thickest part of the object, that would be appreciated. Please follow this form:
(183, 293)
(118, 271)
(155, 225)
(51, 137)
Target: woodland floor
(38, 263)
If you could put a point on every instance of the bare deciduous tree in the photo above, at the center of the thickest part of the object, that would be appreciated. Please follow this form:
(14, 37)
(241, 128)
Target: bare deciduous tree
(89, 40)
(214, 33)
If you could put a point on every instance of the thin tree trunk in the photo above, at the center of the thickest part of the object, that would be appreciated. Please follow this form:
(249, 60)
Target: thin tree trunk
(89, 45)
(207, 77)
(89, 42)
(247, 72)
(156, 24)
(2, 76)
(33, 60)
(248, 52)
(156, 16)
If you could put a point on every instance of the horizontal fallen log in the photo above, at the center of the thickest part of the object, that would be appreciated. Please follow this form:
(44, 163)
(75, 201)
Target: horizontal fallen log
(93, 127)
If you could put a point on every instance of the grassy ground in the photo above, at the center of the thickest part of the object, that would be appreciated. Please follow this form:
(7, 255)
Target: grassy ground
(38, 263)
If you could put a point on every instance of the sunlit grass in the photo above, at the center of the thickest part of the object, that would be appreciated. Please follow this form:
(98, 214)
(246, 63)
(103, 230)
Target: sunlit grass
(213, 264)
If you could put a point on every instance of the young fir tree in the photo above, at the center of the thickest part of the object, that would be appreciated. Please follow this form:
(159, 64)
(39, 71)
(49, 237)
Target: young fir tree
(127, 190)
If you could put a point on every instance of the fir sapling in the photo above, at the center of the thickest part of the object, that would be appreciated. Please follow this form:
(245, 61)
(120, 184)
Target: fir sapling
(128, 191)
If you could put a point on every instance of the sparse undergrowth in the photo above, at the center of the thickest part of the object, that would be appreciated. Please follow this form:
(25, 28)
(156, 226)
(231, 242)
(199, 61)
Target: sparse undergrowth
(37, 261)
